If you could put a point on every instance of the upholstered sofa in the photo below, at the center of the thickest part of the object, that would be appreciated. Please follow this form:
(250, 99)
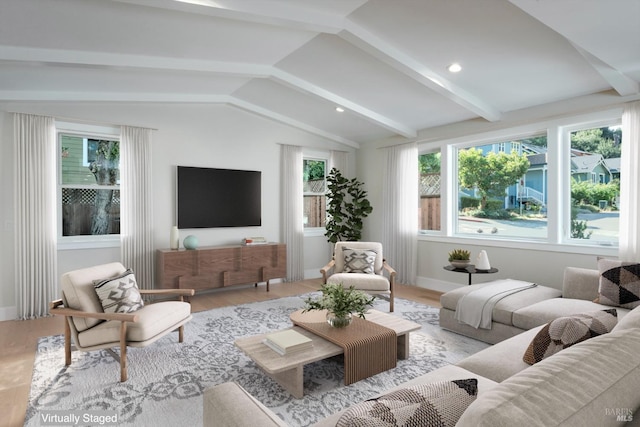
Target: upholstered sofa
(595, 382)
(529, 308)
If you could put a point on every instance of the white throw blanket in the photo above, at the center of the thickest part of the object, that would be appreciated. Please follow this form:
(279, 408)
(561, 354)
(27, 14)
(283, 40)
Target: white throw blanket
(476, 307)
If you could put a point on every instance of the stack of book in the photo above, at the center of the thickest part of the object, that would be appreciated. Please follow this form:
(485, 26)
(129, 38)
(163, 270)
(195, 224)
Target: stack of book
(287, 342)
(254, 241)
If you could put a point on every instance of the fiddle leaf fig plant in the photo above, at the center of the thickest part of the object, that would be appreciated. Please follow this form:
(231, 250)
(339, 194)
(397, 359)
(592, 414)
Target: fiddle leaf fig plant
(347, 206)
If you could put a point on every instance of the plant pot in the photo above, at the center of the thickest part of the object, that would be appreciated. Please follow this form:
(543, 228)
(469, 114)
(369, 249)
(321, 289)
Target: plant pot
(339, 321)
(460, 263)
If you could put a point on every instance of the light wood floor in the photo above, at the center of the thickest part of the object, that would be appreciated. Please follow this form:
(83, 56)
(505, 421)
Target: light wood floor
(18, 338)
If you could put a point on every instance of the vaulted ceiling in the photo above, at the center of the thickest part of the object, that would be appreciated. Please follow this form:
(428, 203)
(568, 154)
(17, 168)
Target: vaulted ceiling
(294, 61)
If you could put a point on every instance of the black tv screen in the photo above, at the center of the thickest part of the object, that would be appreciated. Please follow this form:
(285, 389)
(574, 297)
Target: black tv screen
(209, 198)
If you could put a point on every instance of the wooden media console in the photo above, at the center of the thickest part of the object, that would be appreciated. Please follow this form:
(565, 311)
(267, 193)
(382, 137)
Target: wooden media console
(220, 266)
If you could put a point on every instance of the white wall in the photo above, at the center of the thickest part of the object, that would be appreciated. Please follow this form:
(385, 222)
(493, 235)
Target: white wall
(189, 135)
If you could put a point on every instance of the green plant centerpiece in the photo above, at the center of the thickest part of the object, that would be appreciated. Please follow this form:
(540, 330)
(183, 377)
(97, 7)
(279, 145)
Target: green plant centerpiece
(459, 258)
(340, 303)
(347, 206)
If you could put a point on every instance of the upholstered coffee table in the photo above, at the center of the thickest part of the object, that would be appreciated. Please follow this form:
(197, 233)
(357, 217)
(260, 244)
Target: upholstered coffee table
(288, 370)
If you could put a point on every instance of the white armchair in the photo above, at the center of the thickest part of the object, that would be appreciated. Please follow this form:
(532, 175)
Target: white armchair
(361, 265)
(90, 328)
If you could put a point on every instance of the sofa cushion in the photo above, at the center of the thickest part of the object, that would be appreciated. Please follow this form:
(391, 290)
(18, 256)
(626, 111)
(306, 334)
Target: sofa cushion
(630, 320)
(544, 312)
(153, 319)
(373, 246)
(361, 281)
(582, 385)
(619, 283)
(434, 404)
(119, 294)
(567, 331)
(359, 260)
(504, 309)
(502, 360)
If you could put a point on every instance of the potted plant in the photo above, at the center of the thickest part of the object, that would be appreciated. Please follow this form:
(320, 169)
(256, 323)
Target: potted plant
(347, 206)
(340, 303)
(459, 258)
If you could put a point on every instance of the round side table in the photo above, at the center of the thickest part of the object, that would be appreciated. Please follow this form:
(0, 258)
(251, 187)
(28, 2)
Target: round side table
(470, 270)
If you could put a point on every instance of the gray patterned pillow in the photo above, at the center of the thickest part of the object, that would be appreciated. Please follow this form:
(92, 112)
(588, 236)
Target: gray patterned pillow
(359, 260)
(564, 332)
(436, 404)
(119, 294)
(619, 284)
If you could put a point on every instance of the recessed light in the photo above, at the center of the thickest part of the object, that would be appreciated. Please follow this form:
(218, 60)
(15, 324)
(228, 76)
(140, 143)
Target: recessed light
(340, 109)
(454, 68)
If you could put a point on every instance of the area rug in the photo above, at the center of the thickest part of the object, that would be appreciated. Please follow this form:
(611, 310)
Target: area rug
(167, 379)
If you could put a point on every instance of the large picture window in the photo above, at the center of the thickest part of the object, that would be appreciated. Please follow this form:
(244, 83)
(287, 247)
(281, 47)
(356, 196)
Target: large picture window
(549, 183)
(502, 188)
(89, 185)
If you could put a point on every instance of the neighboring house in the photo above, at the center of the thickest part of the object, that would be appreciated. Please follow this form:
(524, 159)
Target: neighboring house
(590, 167)
(532, 187)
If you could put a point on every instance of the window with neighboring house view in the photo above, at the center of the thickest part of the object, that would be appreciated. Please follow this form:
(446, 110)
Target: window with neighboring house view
(512, 187)
(89, 182)
(314, 192)
(502, 189)
(595, 184)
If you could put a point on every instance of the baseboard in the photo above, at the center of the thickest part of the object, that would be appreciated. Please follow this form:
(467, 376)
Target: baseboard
(8, 313)
(436, 285)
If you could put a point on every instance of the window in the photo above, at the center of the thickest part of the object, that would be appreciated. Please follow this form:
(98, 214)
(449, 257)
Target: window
(314, 189)
(556, 182)
(430, 185)
(502, 188)
(595, 184)
(89, 182)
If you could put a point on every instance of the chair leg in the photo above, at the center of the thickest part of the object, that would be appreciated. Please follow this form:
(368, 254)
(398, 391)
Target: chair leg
(391, 304)
(123, 351)
(181, 333)
(67, 341)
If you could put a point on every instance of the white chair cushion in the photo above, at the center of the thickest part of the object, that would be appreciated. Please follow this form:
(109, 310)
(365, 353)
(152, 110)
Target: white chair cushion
(361, 281)
(153, 320)
(78, 291)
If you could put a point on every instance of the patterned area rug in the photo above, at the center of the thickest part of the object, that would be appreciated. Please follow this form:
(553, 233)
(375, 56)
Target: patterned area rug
(167, 379)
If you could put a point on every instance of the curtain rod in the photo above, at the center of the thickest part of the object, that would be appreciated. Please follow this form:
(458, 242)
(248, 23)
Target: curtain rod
(82, 121)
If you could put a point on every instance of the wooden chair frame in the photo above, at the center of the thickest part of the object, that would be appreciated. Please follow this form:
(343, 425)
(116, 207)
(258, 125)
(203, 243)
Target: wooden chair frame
(56, 307)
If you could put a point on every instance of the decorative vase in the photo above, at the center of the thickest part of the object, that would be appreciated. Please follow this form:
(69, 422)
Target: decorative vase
(482, 263)
(460, 263)
(174, 239)
(190, 242)
(339, 321)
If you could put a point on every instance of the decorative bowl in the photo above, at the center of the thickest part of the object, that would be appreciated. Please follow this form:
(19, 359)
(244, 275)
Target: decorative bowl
(460, 263)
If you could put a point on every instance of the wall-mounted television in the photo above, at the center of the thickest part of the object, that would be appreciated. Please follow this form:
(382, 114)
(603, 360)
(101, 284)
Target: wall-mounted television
(210, 198)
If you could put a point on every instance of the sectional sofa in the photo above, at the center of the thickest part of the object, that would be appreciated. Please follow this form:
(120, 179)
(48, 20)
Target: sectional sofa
(595, 382)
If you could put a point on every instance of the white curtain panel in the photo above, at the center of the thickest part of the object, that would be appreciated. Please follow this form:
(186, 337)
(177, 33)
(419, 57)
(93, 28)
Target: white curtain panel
(629, 243)
(292, 210)
(136, 204)
(36, 261)
(400, 210)
(338, 160)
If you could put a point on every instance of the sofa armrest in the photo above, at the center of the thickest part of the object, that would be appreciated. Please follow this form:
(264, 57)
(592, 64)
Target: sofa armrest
(326, 271)
(580, 283)
(230, 405)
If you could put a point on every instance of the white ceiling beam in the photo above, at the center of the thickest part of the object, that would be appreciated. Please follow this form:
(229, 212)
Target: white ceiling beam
(375, 46)
(268, 13)
(369, 115)
(248, 106)
(111, 60)
(116, 60)
(622, 84)
(58, 96)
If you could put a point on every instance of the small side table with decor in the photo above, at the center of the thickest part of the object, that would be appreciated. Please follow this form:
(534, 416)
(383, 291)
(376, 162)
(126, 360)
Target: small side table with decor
(470, 270)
